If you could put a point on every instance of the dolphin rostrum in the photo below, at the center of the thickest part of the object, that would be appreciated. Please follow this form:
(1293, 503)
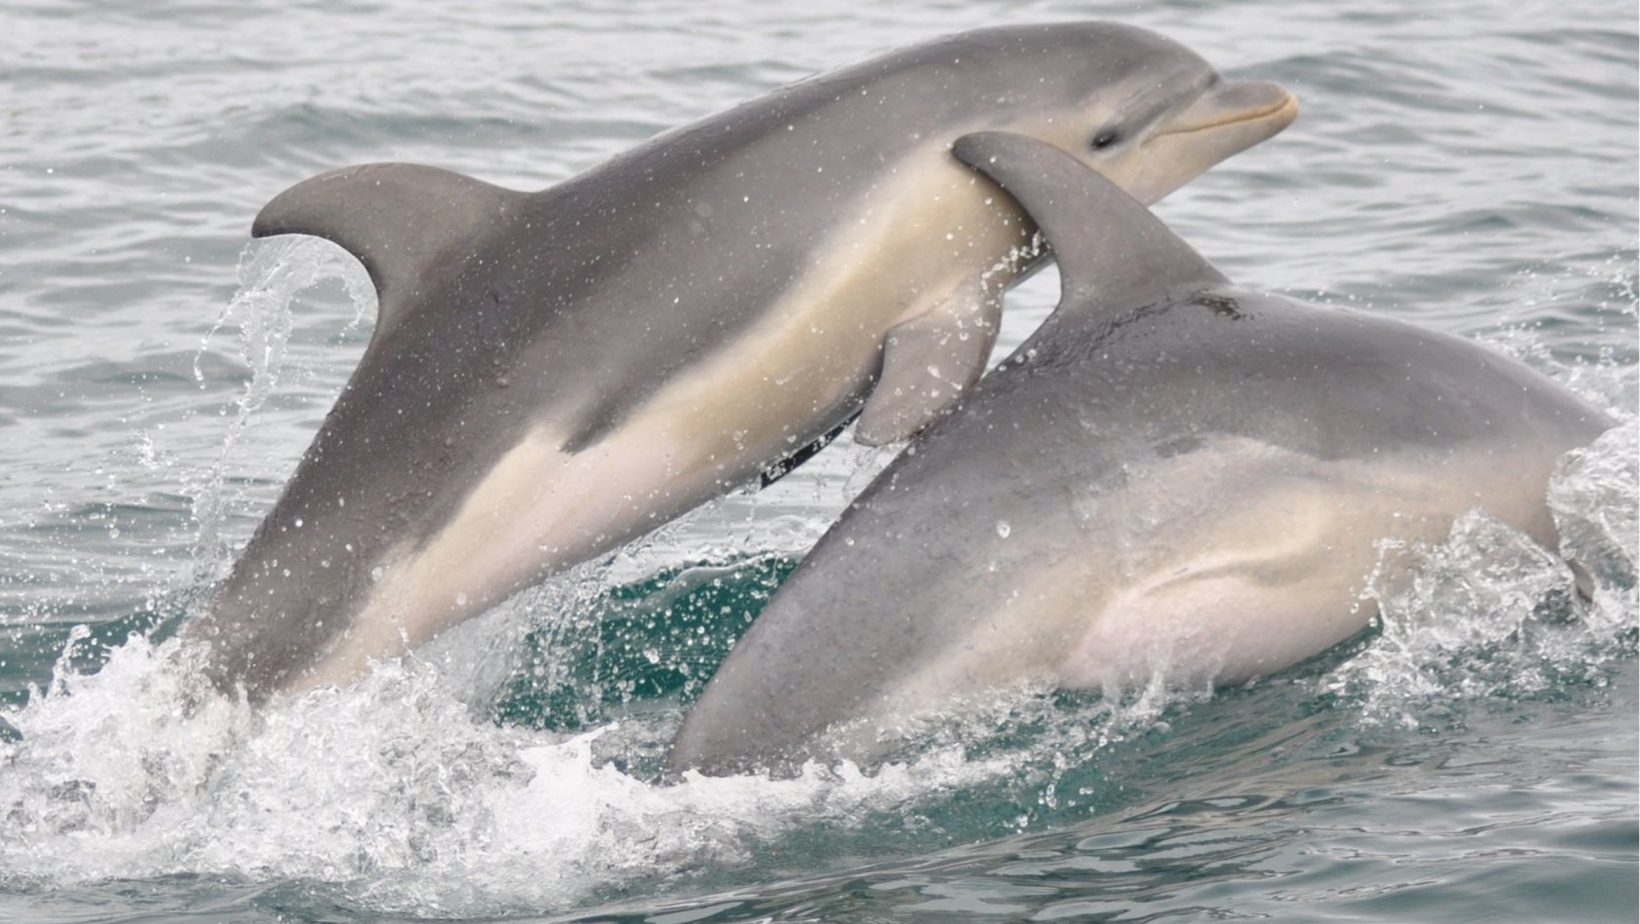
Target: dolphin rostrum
(1172, 478)
(554, 373)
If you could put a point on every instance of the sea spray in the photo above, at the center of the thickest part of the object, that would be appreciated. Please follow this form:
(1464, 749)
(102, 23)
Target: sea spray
(271, 275)
(1489, 615)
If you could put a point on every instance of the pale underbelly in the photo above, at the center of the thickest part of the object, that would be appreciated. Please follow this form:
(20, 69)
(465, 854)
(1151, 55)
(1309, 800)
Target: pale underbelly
(1282, 573)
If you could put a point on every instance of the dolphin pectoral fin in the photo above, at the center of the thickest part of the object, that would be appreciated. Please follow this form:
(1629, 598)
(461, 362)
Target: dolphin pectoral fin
(397, 219)
(1110, 249)
(928, 363)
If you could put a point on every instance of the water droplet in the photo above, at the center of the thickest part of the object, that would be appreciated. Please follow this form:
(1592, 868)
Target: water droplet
(1003, 529)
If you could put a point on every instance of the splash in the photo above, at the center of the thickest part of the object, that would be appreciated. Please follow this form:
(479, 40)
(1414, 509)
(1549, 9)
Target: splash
(1592, 497)
(388, 791)
(1490, 615)
(271, 275)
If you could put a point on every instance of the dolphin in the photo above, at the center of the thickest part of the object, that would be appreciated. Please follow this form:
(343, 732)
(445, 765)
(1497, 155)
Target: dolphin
(554, 373)
(1172, 479)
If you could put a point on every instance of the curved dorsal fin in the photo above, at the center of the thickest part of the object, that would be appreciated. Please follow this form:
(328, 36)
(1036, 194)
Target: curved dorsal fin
(1110, 249)
(397, 219)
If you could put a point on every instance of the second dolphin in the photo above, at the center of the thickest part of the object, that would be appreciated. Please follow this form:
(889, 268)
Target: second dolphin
(1173, 477)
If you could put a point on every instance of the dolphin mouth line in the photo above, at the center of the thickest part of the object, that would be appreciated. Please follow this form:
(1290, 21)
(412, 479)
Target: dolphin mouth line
(1286, 106)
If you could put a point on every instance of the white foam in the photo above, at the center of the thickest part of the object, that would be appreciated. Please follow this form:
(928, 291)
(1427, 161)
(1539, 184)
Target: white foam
(390, 789)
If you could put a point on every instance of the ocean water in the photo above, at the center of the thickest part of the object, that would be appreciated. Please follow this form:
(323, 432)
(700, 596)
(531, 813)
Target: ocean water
(1469, 166)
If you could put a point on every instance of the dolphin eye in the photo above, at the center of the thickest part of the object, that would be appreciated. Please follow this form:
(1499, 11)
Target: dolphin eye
(1105, 139)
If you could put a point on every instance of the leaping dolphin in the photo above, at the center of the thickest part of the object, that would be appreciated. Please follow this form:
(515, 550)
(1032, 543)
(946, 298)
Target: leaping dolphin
(1173, 476)
(554, 373)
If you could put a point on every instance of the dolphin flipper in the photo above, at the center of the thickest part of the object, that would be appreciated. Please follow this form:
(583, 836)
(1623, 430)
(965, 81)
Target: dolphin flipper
(395, 218)
(1110, 249)
(928, 363)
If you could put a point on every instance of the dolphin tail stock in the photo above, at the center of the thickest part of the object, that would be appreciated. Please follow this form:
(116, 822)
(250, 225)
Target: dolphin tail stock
(1110, 249)
(396, 219)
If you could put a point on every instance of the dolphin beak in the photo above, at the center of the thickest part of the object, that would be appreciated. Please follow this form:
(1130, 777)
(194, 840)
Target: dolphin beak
(1228, 117)
(1257, 107)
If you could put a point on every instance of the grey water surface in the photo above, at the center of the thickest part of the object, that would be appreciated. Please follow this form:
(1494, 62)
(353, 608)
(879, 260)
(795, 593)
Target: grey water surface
(1469, 166)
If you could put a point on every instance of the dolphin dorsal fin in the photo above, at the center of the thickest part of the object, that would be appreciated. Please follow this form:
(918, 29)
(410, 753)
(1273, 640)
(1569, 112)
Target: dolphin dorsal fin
(395, 218)
(1110, 249)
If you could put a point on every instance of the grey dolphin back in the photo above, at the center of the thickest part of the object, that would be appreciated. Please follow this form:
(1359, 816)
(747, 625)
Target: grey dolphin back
(1110, 249)
(397, 219)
